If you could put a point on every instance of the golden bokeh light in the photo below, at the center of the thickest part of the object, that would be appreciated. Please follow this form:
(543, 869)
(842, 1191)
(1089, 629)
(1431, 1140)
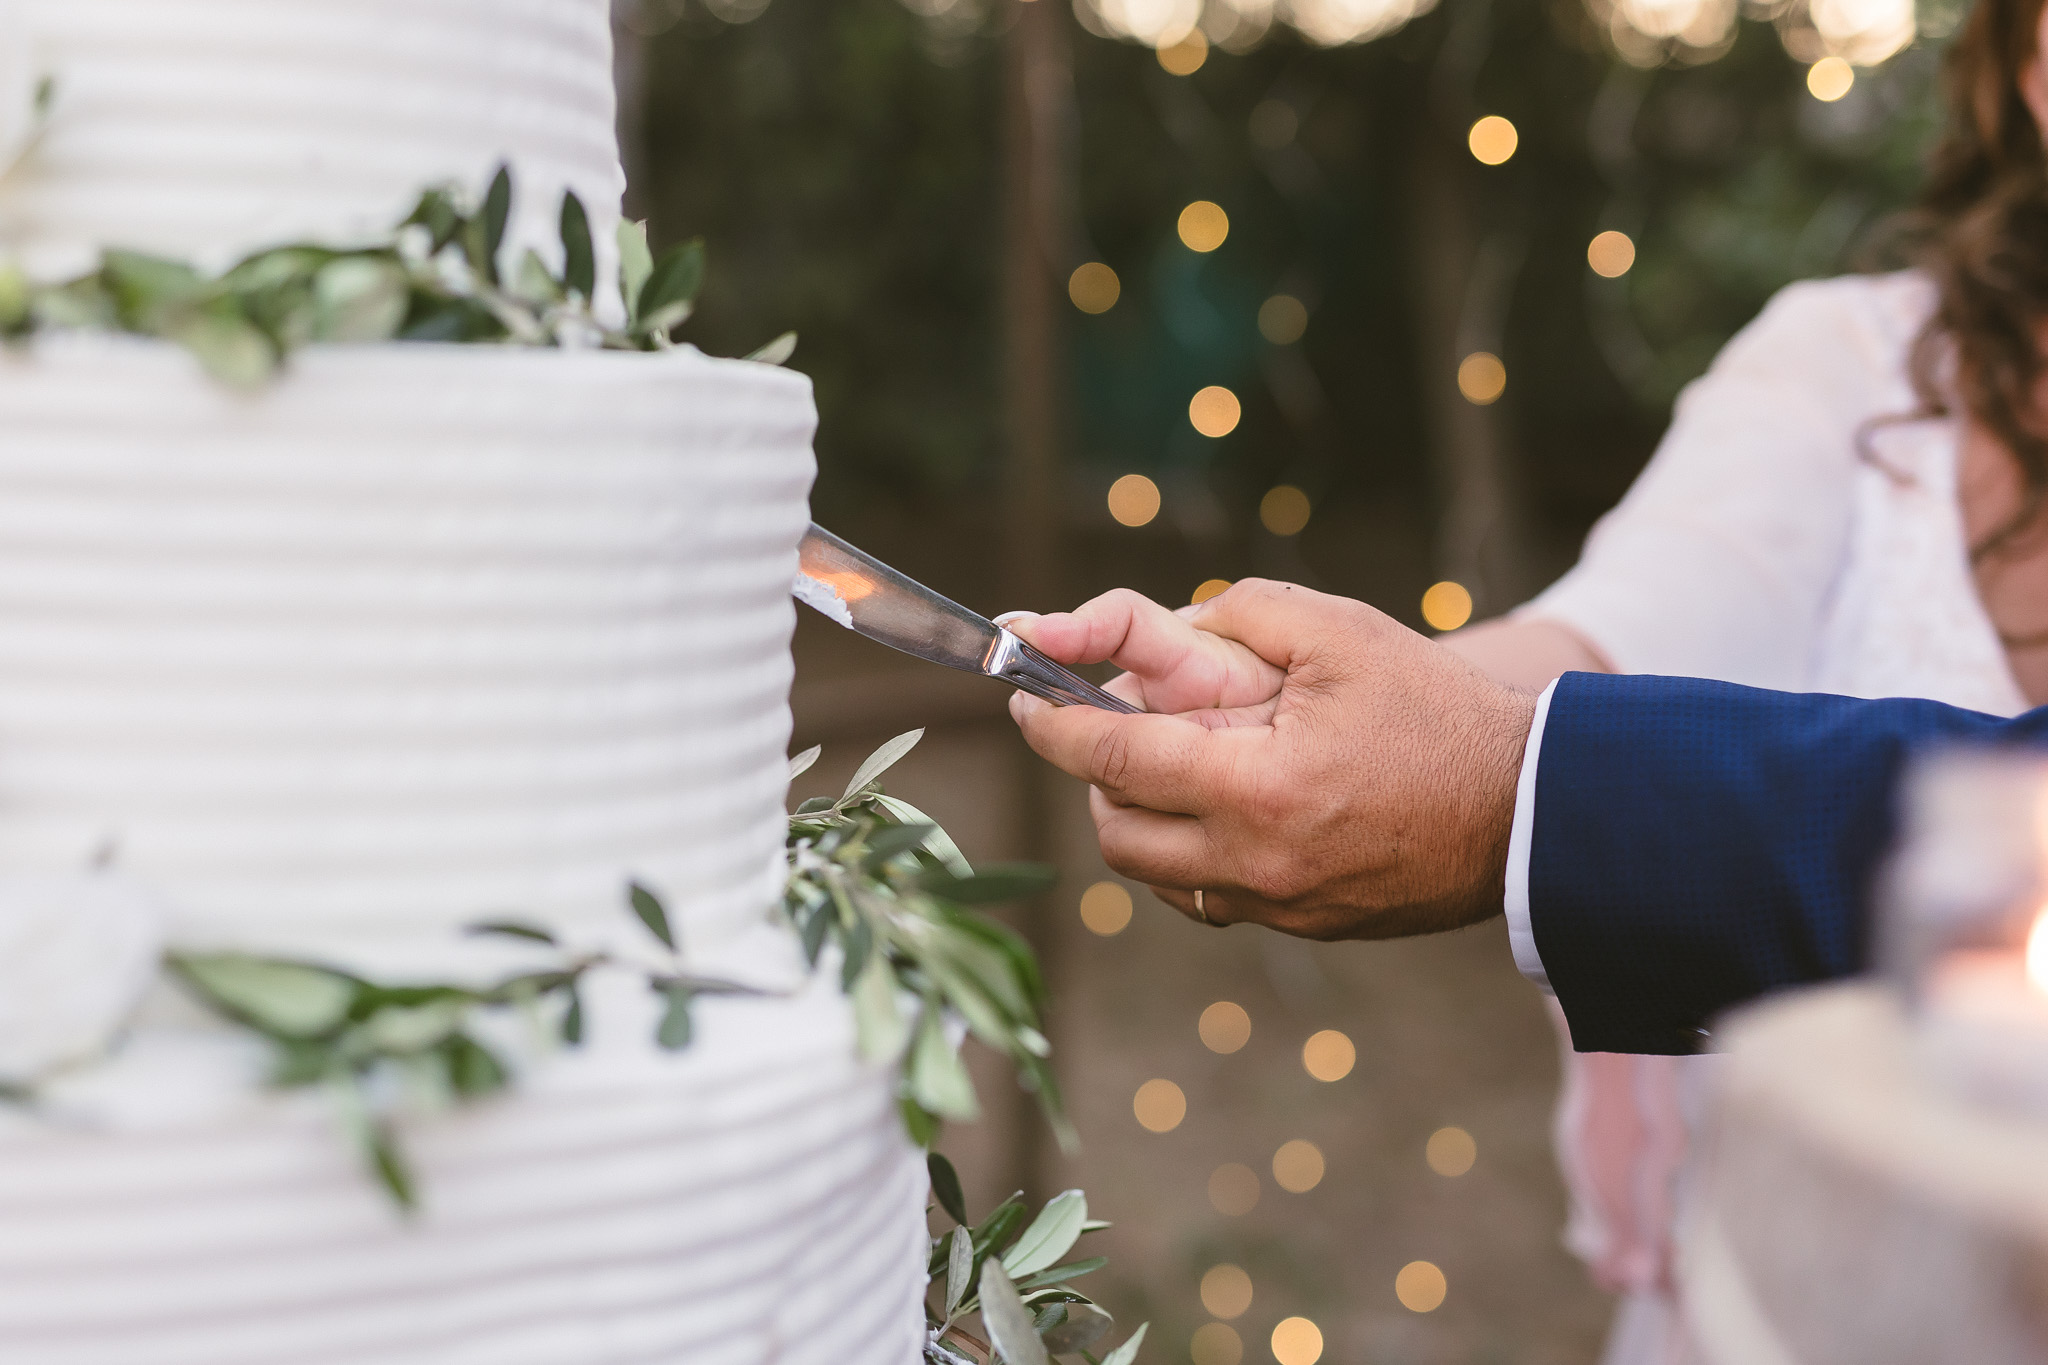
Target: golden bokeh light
(1446, 606)
(1420, 1287)
(1328, 1055)
(1298, 1166)
(1830, 78)
(1094, 287)
(1482, 378)
(1611, 253)
(1450, 1151)
(1297, 1341)
(1106, 908)
(1233, 1189)
(1226, 1291)
(1282, 319)
(1159, 1106)
(1284, 510)
(1216, 1343)
(1215, 411)
(1134, 500)
(1203, 225)
(1208, 588)
(1493, 139)
(1225, 1027)
(1185, 57)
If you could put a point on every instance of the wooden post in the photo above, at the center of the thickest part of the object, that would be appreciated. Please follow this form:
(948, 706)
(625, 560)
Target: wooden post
(1037, 100)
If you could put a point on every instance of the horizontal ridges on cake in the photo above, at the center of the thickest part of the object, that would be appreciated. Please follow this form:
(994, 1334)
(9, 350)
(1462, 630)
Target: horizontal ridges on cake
(419, 633)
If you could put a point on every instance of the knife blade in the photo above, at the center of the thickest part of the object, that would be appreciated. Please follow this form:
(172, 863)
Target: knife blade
(869, 598)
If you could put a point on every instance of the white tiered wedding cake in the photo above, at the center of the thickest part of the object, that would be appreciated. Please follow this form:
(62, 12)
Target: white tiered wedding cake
(413, 635)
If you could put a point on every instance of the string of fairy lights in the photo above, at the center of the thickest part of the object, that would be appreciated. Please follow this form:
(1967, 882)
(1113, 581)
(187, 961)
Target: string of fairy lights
(1227, 1291)
(1833, 37)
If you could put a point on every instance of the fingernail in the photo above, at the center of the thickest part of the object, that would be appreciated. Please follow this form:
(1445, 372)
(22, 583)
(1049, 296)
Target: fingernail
(1023, 704)
(1010, 616)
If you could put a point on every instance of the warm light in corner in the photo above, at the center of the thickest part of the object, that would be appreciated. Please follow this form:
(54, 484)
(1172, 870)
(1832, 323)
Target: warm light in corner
(1216, 1343)
(1215, 411)
(1106, 909)
(1446, 605)
(1830, 78)
(1204, 225)
(1094, 287)
(1134, 500)
(1226, 1291)
(1185, 57)
(2037, 953)
(1159, 1105)
(1482, 378)
(1493, 140)
(1611, 253)
(1328, 1055)
(1284, 510)
(1297, 1341)
(1420, 1287)
(1225, 1028)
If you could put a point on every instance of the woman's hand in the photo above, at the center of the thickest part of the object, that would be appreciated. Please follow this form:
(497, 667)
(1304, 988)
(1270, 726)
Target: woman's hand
(1307, 763)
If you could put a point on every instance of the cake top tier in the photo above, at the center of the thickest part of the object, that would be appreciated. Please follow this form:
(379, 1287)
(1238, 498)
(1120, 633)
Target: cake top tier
(202, 129)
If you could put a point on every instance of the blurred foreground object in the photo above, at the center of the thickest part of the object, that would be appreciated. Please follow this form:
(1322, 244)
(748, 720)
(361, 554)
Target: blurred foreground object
(1876, 1191)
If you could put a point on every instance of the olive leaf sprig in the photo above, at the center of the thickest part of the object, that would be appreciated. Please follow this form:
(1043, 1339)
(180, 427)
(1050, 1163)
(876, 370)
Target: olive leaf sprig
(439, 275)
(377, 1046)
(878, 878)
(1015, 1276)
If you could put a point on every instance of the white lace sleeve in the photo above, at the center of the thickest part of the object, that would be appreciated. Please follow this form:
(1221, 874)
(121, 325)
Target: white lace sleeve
(1719, 561)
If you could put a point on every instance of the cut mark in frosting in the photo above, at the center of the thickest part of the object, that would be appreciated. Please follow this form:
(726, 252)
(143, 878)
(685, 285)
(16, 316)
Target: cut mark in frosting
(823, 597)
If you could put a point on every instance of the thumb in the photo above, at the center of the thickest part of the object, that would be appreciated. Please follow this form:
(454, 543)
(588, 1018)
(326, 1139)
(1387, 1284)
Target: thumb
(1283, 623)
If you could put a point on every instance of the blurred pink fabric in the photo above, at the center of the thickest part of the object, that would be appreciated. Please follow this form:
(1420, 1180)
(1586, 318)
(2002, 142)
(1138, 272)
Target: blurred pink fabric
(1622, 1133)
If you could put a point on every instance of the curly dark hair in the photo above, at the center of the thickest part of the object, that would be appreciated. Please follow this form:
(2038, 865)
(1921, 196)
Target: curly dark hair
(1980, 231)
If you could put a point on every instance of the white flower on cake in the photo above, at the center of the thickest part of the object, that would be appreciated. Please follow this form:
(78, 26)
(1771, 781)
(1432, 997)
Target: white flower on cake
(76, 955)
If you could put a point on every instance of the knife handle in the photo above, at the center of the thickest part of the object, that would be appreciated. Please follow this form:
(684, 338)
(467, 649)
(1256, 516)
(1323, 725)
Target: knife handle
(1026, 669)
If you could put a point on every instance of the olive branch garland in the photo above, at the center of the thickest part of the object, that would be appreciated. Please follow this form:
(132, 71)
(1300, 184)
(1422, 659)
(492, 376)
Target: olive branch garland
(1014, 1276)
(439, 275)
(377, 1047)
(880, 879)
(874, 875)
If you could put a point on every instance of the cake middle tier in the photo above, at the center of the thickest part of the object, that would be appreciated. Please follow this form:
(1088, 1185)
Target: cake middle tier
(414, 635)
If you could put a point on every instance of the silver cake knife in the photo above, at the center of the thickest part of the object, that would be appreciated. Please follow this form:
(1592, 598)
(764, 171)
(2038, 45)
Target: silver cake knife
(868, 597)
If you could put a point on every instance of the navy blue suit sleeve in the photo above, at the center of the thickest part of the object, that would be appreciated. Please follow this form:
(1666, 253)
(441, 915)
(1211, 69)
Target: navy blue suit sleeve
(1697, 844)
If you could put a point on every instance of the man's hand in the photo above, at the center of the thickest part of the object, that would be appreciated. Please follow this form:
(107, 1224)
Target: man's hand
(1307, 763)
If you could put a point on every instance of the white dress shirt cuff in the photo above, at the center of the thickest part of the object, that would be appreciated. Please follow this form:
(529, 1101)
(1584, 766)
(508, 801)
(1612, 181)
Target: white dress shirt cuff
(1521, 933)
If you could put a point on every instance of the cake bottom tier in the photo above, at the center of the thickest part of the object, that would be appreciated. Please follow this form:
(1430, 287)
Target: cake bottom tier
(750, 1200)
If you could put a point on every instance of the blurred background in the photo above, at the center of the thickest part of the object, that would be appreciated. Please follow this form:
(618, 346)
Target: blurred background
(1385, 297)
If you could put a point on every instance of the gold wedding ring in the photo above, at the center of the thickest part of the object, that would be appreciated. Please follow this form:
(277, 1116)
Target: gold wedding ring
(1200, 913)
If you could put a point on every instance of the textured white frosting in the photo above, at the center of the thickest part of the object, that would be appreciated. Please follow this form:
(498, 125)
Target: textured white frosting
(413, 636)
(751, 1201)
(203, 128)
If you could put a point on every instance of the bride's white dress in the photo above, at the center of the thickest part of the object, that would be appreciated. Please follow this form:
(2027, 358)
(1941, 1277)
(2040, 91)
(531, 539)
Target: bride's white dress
(1785, 535)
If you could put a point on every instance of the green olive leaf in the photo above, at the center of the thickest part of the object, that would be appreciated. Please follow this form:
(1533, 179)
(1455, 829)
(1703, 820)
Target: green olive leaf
(652, 913)
(1050, 1236)
(636, 263)
(579, 261)
(1127, 1353)
(1010, 1325)
(776, 352)
(879, 762)
(938, 1079)
(283, 999)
